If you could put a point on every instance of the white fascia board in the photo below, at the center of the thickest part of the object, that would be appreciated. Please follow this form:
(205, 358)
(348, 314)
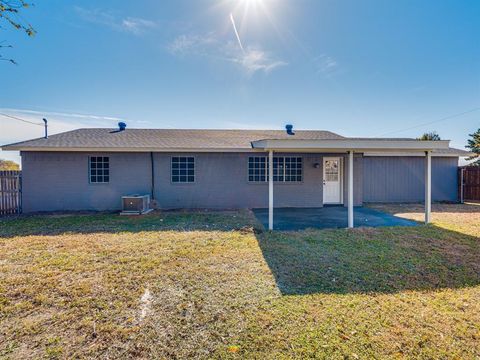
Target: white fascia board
(351, 144)
(412, 154)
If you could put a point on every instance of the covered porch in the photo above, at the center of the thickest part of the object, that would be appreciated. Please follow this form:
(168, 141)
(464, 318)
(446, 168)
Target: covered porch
(348, 147)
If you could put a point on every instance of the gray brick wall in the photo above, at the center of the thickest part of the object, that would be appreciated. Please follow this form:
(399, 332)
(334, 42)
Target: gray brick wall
(59, 181)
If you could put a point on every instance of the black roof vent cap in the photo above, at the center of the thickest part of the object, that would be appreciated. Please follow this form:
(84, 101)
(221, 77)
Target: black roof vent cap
(122, 126)
(289, 129)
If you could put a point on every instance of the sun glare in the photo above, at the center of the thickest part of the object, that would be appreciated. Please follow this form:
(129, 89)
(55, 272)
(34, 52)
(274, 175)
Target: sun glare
(252, 2)
(252, 7)
(252, 16)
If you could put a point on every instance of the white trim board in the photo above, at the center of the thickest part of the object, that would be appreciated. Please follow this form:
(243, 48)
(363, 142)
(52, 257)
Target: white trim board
(412, 154)
(359, 145)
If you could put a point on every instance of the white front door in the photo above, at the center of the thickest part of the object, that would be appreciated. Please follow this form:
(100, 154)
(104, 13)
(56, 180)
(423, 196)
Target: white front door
(332, 180)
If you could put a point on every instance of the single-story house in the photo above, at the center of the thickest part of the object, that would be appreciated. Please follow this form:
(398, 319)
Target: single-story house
(91, 169)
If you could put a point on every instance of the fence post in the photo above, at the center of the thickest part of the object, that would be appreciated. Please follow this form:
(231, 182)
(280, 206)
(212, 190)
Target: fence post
(462, 170)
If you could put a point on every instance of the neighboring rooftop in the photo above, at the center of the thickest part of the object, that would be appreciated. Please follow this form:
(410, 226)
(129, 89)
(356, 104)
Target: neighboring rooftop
(171, 139)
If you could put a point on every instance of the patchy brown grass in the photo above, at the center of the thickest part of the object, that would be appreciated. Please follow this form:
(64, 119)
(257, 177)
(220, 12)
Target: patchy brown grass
(75, 286)
(464, 218)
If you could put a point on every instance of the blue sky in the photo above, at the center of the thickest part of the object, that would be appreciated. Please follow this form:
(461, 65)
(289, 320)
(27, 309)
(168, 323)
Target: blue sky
(359, 68)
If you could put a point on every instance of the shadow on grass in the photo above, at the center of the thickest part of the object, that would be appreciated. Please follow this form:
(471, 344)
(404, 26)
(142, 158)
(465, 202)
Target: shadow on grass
(364, 260)
(380, 260)
(88, 223)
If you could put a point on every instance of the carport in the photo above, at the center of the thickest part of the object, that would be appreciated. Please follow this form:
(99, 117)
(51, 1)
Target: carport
(350, 146)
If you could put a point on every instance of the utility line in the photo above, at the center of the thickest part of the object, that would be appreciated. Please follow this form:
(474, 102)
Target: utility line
(20, 119)
(433, 122)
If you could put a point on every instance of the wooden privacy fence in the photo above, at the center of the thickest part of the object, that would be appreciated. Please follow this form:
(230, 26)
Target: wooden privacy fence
(469, 183)
(10, 192)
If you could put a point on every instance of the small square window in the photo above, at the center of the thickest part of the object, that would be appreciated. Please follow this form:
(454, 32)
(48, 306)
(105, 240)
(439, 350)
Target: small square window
(183, 169)
(99, 169)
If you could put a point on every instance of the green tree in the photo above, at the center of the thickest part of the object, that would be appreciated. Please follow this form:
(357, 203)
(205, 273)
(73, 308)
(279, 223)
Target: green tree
(474, 146)
(433, 135)
(10, 15)
(8, 165)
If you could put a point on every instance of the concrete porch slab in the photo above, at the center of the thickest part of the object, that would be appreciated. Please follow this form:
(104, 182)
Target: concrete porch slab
(328, 217)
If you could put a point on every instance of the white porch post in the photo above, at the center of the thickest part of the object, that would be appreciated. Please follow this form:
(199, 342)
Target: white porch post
(428, 187)
(350, 189)
(270, 190)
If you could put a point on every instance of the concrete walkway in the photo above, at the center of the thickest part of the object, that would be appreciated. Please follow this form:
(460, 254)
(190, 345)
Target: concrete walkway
(327, 217)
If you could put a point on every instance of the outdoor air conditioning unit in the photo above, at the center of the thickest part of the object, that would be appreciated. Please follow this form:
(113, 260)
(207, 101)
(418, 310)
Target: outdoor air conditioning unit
(135, 204)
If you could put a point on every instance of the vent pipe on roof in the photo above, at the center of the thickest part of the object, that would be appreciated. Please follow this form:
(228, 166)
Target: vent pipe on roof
(289, 129)
(122, 126)
(46, 126)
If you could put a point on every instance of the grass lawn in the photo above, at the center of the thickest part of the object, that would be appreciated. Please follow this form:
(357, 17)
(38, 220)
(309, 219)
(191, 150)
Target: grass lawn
(213, 285)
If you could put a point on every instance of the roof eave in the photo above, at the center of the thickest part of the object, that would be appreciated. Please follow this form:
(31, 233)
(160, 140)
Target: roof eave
(123, 149)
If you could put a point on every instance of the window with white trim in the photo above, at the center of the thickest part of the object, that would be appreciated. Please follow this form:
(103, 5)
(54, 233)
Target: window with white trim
(99, 169)
(183, 169)
(285, 169)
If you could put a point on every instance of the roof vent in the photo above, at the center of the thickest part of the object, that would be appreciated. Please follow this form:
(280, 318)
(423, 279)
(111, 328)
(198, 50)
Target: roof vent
(289, 129)
(122, 126)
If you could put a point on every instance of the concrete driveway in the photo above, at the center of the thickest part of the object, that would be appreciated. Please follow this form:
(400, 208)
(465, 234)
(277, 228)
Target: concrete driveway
(327, 217)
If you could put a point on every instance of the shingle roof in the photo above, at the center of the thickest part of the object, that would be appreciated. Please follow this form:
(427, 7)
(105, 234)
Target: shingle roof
(171, 139)
(167, 138)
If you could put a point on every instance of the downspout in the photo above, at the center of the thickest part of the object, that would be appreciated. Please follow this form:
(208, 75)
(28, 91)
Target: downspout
(152, 186)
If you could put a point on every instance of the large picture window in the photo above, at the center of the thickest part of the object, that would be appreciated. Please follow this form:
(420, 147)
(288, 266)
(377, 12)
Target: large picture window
(183, 169)
(99, 169)
(285, 169)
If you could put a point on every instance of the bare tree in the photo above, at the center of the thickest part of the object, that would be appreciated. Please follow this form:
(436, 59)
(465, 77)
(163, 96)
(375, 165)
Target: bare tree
(10, 15)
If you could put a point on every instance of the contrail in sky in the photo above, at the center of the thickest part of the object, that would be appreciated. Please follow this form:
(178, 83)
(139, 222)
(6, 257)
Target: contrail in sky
(236, 32)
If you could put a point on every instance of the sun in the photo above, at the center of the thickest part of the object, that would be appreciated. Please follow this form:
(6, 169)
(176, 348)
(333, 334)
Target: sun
(251, 6)
(252, 2)
(251, 15)
(246, 7)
